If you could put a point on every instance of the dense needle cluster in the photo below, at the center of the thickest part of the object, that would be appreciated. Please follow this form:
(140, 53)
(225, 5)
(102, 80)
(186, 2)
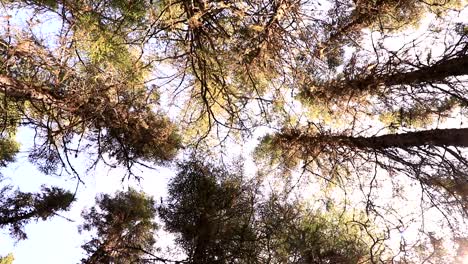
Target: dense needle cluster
(354, 108)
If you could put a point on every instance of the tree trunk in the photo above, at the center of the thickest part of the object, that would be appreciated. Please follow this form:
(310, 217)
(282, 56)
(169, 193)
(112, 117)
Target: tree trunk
(201, 241)
(435, 137)
(436, 73)
(431, 74)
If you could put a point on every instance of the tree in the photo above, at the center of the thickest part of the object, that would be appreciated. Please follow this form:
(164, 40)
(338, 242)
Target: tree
(433, 157)
(19, 208)
(220, 218)
(75, 94)
(7, 260)
(397, 84)
(347, 19)
(379, 81)
(212, 211)
(230, 67)
(125, 227)
(223, 54)
(291, 232)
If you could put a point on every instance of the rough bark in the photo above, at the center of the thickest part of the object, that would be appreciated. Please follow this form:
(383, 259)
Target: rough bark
(436, 73)
(434, 137)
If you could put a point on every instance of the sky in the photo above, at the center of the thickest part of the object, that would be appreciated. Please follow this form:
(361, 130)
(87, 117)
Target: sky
(57, 241)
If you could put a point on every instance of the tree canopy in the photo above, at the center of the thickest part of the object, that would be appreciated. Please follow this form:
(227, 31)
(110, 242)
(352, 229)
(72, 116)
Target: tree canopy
(7, 259)
(18, 208)
(124, 225)
(300, 131)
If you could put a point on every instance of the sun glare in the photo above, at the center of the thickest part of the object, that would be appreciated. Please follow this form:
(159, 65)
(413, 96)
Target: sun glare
(464, 258)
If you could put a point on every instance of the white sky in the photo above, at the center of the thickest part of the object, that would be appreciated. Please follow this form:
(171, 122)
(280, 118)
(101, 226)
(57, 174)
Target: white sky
(57, 241)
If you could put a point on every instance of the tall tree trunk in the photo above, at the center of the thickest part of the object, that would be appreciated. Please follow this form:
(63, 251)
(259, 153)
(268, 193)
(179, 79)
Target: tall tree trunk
(436, 73)
(434, 137)
(202, 240)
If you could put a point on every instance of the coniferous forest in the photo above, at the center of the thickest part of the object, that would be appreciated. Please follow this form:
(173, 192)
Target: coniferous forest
(298, 131)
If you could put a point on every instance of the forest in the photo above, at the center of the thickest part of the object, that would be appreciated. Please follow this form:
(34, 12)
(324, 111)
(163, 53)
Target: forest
(297, 131)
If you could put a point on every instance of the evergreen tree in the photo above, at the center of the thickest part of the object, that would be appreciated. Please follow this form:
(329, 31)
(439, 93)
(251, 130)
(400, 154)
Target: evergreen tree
(314, 72)
(212, 211)
(124, 225)
(220, 218)
(94, 89)
(432, 157)
(290, 232)
(19, 208)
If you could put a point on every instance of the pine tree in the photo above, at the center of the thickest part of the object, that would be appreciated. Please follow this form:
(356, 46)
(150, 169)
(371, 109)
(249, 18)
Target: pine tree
(125, 226)
(316, 73)
(212, 211)
(19, 208)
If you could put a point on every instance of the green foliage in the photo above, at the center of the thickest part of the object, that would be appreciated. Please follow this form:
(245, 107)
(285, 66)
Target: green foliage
(391, 15)
(420, 115)
(211, 210)
(103, 32)
(272, 150)
(8, 150)
(298, 234)
(124, 225)
(221, 219)
(9, 121)
(232, 67)
(8, 259)
(19, 208)
(107, 103)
